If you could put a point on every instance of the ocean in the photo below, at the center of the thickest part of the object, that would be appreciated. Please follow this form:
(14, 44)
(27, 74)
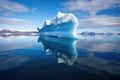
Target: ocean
(95, 57)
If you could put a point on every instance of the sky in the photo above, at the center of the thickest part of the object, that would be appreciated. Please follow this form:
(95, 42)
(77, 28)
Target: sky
(93, 15)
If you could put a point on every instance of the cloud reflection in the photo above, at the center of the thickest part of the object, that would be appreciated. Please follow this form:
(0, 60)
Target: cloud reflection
(64, 50)
(99, 46)
(12, 62)
(99, 55)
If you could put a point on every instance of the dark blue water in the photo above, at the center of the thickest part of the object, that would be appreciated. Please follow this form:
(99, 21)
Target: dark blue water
(50, 58)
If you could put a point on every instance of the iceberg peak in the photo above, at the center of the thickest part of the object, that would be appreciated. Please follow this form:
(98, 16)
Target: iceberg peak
(65, 17)
(47, 22)
(62, 18)
(60, 14)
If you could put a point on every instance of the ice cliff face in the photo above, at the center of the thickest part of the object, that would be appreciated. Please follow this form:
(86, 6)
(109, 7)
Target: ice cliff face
(63, 25)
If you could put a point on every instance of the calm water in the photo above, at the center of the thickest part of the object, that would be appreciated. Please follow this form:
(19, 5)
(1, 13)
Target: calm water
(50, 58)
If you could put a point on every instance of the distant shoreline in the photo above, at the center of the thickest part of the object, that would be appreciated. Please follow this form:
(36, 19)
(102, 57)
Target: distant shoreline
(7, 33)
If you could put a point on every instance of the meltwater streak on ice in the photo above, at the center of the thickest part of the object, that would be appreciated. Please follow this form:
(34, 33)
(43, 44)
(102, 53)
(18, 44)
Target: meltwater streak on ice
(64, 25)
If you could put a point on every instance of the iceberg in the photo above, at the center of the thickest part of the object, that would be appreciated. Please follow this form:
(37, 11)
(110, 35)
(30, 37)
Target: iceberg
(64, 25)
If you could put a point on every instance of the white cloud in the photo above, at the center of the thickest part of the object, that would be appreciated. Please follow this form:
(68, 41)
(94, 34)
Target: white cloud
(99, 21)
(92, 6)
(34, 10)
(7, 13)
(7, 5)
(13, 21)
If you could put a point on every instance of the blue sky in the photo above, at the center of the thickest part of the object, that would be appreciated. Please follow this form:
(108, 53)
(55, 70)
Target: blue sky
(96, 15)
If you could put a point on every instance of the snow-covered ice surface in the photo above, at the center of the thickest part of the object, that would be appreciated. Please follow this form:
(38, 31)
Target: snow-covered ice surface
(63, 25)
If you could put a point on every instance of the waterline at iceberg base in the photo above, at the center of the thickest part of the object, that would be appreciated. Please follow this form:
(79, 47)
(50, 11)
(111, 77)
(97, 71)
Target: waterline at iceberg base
(64, 25)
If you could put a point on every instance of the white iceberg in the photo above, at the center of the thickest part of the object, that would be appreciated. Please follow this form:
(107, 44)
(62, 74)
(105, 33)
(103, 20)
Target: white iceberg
(63, 25)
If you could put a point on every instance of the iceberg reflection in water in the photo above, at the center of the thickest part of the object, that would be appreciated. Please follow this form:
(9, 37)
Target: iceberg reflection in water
(62, 48)
(87, 58)
(81, 55)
